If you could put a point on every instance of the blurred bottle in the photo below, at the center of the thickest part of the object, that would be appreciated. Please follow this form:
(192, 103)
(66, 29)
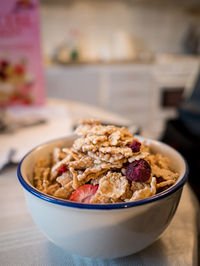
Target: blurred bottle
(73, 45)
(68, 51)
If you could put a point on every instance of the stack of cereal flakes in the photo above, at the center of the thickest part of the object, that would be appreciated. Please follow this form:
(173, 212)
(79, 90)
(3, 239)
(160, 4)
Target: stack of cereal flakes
(106, 164)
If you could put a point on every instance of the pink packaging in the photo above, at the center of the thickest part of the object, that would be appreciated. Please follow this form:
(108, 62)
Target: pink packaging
(21, 73)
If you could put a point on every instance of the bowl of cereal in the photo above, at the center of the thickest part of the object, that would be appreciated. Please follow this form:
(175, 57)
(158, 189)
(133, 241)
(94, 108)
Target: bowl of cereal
(102, 192)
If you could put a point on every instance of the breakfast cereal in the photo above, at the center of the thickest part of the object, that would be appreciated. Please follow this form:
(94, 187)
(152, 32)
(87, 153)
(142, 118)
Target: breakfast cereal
(106, 164)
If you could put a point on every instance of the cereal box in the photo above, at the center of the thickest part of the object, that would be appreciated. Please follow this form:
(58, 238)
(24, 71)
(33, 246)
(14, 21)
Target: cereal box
(21, 75)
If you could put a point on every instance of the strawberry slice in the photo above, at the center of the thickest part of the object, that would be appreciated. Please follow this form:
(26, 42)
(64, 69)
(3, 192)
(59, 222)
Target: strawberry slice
(84, 193)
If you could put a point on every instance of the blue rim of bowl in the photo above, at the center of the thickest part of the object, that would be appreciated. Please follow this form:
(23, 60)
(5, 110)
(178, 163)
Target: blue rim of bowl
(106, 206)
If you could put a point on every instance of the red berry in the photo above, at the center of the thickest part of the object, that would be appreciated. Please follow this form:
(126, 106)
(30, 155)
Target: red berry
(62, 169)
(19, 69)
(4, 64)
(135, 146)
(84, 193)
(14, 98)
(139, 171)
(3, 75)
(27, 101)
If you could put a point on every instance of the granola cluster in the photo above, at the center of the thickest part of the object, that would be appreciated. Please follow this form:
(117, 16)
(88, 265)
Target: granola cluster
(104, 157)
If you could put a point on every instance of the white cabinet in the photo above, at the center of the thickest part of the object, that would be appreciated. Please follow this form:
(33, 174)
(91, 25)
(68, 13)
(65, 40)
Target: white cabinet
(72, 83)
(131, 90)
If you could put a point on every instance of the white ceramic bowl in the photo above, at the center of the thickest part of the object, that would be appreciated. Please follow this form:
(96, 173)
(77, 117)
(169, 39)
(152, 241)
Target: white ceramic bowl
(101, 230)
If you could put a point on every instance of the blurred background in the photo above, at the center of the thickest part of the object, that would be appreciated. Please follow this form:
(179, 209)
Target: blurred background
(138, 59)
(134, 57)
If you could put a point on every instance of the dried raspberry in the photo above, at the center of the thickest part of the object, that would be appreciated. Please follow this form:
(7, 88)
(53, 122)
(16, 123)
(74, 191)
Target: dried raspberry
(62, 169)
(135, 146)
(139, 171)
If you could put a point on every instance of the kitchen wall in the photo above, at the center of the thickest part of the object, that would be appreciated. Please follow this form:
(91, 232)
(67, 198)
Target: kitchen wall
(112, 30)
(99, 28)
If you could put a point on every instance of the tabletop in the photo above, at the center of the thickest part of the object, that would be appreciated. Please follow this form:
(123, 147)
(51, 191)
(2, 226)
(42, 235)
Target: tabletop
(21, 243)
